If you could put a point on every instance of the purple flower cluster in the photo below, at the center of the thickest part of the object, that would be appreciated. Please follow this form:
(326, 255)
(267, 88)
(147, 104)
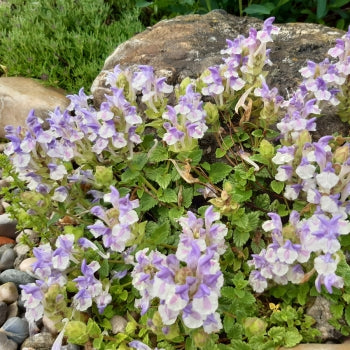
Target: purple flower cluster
(324, 83)
(50, 268)
(314, 239)
(185, 121)
(187, 283)
(81, 133)
(90, 289)
(245, 61)
(115, 224)
(313, 172)
(320, 177)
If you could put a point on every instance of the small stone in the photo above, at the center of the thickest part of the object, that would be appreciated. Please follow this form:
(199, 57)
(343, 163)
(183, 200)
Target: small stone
(70, 347)
(4, 183)
(4, 247)
(31, 235)
(21, 249)
(16, 276)
(7, 259)
(3, 312)
(40, 341)
(8, 292)
(26, 265)
(16, 329)
(118, 324)
(7, 344)
(49, 326)
(6, 240)
(321, 312)
(12, 310)
(7, 226)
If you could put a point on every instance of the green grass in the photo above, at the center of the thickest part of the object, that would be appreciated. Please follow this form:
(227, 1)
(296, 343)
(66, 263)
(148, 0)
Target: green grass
(63, 43)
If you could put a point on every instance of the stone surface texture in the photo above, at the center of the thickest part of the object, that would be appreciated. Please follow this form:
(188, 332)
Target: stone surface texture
(187, 45)
(18, 96)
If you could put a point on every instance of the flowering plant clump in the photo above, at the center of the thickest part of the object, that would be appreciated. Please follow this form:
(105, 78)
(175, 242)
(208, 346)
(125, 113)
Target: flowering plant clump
(138, 224)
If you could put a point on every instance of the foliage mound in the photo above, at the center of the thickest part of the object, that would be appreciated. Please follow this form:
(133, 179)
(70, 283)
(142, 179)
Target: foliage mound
(193, 224)
(63, 43)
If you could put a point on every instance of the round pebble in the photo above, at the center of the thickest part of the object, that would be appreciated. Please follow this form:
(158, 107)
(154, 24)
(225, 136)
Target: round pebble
(7, 226)
(8, 293)
(16, 276)
(3, 312)
(16, 329)
(42, 341)
(26, 265)
(7, 344)
(12, 310)
(6, 240)
(49, 326)
(7, 259)
(118, 324)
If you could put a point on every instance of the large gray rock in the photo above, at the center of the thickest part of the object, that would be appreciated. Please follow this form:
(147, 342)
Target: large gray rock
(18, 96)
(187, 45)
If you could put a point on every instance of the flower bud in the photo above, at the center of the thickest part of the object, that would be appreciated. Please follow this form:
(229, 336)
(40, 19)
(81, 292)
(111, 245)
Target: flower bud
(212, 113)
(266, 149)
(76, 332)
(200, 338)
(254, 326)
(341, 154)
(103, 176)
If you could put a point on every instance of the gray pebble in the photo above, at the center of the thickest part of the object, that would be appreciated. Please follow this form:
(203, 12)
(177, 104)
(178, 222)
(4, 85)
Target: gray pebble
(7, 226)
(7, 344)
(118, 324)
(7, 259)
(40, 341)
(16, 329)
(4, 247)
(3, 312)
(16, 276)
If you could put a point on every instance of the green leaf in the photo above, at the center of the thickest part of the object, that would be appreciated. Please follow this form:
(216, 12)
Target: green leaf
(187, 196)
(169, 196)
(139, 160)
(241, 196)
(262, 201)
(277, 334)
(193, 157)
(97, 343)
(163, 180)
(104, 269)
(158, 233)
(277, 186)
(147, 202)
(175, 213)
(93, 329)
(239, 281)
(240, 345)
(159, 154)
(303, 293)
(218, 171)
(228, 292)
(337, 310)
(347, 314)
(292, 337)
(256, 9)
(128, 175)
(321, 8)
(219, 153)
(240, 237)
